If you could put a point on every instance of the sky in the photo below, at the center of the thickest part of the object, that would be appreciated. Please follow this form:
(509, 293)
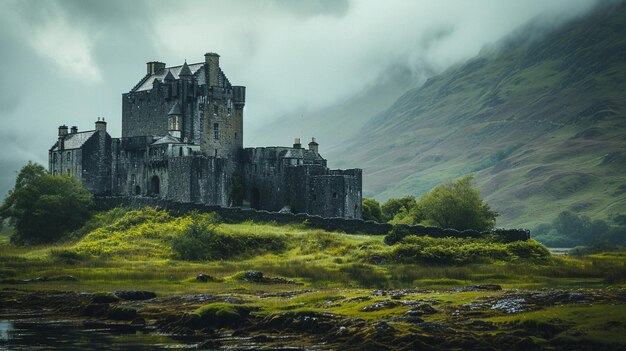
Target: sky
(69, 61)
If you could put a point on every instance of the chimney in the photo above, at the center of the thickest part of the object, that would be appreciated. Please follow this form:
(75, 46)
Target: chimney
(155, 66)
(212, 60)
(74, 130)
(296, 144)
(101, 125)
(313, 146)
(62, 135)
(62, 131)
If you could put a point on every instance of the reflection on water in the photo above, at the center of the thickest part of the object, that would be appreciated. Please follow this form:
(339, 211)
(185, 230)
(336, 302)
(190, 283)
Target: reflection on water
(70, 335)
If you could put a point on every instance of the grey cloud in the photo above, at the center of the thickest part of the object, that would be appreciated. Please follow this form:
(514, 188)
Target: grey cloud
(292, 55)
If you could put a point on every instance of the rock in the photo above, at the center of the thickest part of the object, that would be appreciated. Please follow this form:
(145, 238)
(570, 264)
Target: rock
(204, 278)
(95, 309)
(509, 305)
(122, 313)
(253, 276)
(135, 295)
(380, 305)
(285, 293)
(359, 299)
(261, 338)
(482, 287)
(104, 298)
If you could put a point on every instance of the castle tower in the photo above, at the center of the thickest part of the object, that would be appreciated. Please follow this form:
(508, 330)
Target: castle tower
(174, 120)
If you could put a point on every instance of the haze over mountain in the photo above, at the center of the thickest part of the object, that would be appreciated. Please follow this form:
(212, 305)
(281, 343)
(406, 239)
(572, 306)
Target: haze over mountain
(538, 117)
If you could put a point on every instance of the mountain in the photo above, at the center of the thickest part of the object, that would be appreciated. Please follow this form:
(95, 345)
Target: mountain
(336, 123)
(538, 118)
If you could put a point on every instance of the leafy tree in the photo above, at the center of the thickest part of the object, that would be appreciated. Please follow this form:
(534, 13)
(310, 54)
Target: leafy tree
(371, 210)
(43, 207)
(458, 205)
(392, 207)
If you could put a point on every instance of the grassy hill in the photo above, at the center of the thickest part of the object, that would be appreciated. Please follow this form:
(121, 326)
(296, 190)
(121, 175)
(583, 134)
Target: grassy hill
(539, 118)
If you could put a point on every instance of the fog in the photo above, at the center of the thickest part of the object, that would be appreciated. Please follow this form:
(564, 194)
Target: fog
(68, 62)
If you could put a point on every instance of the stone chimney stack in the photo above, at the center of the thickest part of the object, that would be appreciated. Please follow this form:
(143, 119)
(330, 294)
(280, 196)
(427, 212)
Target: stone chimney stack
(296, 144)
(101, 125)
(313, 146)
(74, 130)
(155, 66)
(62, 135)
(212, 60)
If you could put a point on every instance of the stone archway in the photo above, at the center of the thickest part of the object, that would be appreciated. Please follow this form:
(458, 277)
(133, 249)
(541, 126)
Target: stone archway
(155, 186)
(255, 199)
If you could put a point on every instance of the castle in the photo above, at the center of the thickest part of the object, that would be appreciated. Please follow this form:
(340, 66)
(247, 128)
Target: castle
(182, 140)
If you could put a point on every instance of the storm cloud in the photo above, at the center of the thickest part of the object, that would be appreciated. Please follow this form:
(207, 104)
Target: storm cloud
(68, 62)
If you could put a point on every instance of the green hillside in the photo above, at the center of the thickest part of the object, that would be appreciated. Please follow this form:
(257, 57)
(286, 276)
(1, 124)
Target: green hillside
(539, 119)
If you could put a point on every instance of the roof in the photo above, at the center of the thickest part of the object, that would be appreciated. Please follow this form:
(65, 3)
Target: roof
(75, 140)
(301, 153)
(184, 71)
(167, 139)
(146, 82)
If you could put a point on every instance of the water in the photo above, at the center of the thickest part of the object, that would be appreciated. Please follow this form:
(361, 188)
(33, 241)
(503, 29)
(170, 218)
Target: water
(38, 334)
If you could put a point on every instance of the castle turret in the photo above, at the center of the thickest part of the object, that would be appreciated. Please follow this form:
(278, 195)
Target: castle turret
(174, 118)
(212, 60)
(313, 146)
(74, 130)
(185, 72)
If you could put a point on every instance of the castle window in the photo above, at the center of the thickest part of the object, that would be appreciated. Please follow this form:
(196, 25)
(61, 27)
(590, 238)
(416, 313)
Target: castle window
(54, 156)
(180, 151)
(230, 106)
(235, 135)
(216, 109)
(189, 151)
(216, 131)
(69, 156)
(334, 195)
(69, 172)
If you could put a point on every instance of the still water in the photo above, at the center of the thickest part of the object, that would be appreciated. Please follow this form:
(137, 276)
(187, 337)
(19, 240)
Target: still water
(37, 334)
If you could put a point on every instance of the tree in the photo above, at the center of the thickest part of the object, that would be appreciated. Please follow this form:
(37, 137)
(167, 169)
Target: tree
(43, 207)
(392, 207)
(371, 210)
(458, 205)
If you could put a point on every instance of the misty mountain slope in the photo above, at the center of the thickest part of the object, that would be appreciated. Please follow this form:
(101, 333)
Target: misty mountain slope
(332, 125)
(541, 124)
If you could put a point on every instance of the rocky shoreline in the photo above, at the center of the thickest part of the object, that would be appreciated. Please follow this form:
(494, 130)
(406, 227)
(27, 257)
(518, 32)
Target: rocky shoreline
(425, 323)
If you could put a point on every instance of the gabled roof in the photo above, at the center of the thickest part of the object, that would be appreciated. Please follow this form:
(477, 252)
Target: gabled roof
(167, 139)
(184, 71)
(175, 110)
(169, 76)
(146, 81)
(74, 140)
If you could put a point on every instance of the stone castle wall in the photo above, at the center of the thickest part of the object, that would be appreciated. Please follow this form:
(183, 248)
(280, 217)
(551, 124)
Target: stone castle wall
(348, 226)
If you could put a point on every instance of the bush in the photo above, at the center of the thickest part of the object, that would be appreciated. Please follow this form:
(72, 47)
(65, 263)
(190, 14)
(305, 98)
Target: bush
(202, 240)
(371, 211)
(221, 314)
(414, 249)
(196, 242)
(396, 234)
(393, 207)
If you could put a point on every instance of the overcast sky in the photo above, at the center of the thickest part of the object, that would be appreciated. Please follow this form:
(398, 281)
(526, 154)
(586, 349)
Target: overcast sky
(68, 62)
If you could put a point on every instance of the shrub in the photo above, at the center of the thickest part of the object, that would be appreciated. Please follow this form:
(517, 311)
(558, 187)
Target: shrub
(529, 249)
(371, 211)
(392, 207)
(197, 241)
(222, 314)
(396, 234)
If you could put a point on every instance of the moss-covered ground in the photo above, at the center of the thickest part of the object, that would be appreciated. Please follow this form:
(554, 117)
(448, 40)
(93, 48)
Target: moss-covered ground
(348, 281)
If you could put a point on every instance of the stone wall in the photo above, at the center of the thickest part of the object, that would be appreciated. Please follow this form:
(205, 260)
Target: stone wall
(349, 226)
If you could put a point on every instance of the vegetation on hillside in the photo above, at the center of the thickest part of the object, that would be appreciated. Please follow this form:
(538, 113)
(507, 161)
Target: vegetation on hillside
(569, 229)
(43, 207)
(537, 118)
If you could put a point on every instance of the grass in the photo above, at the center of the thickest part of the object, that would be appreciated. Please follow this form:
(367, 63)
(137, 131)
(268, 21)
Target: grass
(133, 249)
